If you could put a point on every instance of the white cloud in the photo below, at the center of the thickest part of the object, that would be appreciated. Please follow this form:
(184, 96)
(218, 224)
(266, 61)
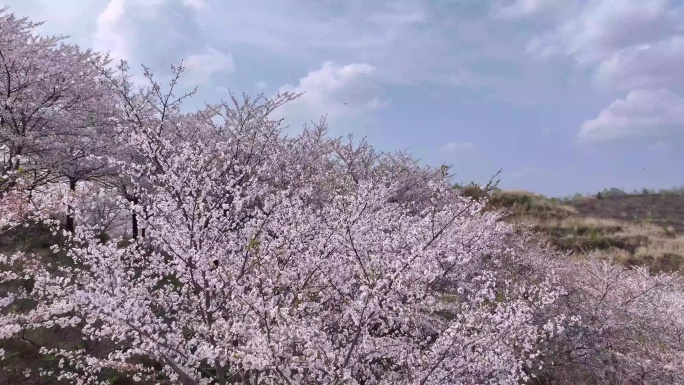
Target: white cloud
(197, 4)
(110, 35)
(601, 28)
(414, 42)
(114, 26)
(202, 66)
(520, 8)
(528, 8)
(457, 146)
(650, 65)
(134, 29)
(626, 45)
(337, 91)
(642, 114)
(64, 17)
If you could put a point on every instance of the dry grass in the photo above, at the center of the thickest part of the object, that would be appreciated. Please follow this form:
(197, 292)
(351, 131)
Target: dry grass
(599, 226)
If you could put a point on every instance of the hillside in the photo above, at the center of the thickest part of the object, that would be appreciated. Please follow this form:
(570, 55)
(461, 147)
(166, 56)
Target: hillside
(634, 229)
(662, 209)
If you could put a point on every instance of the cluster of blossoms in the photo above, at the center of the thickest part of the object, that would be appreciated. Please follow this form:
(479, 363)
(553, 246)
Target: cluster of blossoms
(262, 259)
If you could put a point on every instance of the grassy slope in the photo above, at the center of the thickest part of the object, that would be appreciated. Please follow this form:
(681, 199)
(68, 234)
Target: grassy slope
(634, 229)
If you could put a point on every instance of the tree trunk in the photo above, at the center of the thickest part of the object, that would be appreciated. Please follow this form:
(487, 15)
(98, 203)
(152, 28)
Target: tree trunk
(134, 225)
(134, 220)
(142, 231)
(69, 225)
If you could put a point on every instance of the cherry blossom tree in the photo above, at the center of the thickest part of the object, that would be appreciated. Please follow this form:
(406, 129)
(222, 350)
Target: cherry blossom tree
(631, 330)
(259, 268)
(48, 91)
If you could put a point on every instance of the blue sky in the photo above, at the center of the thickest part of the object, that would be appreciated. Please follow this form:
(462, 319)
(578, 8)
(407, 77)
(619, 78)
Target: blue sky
(564, 96)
